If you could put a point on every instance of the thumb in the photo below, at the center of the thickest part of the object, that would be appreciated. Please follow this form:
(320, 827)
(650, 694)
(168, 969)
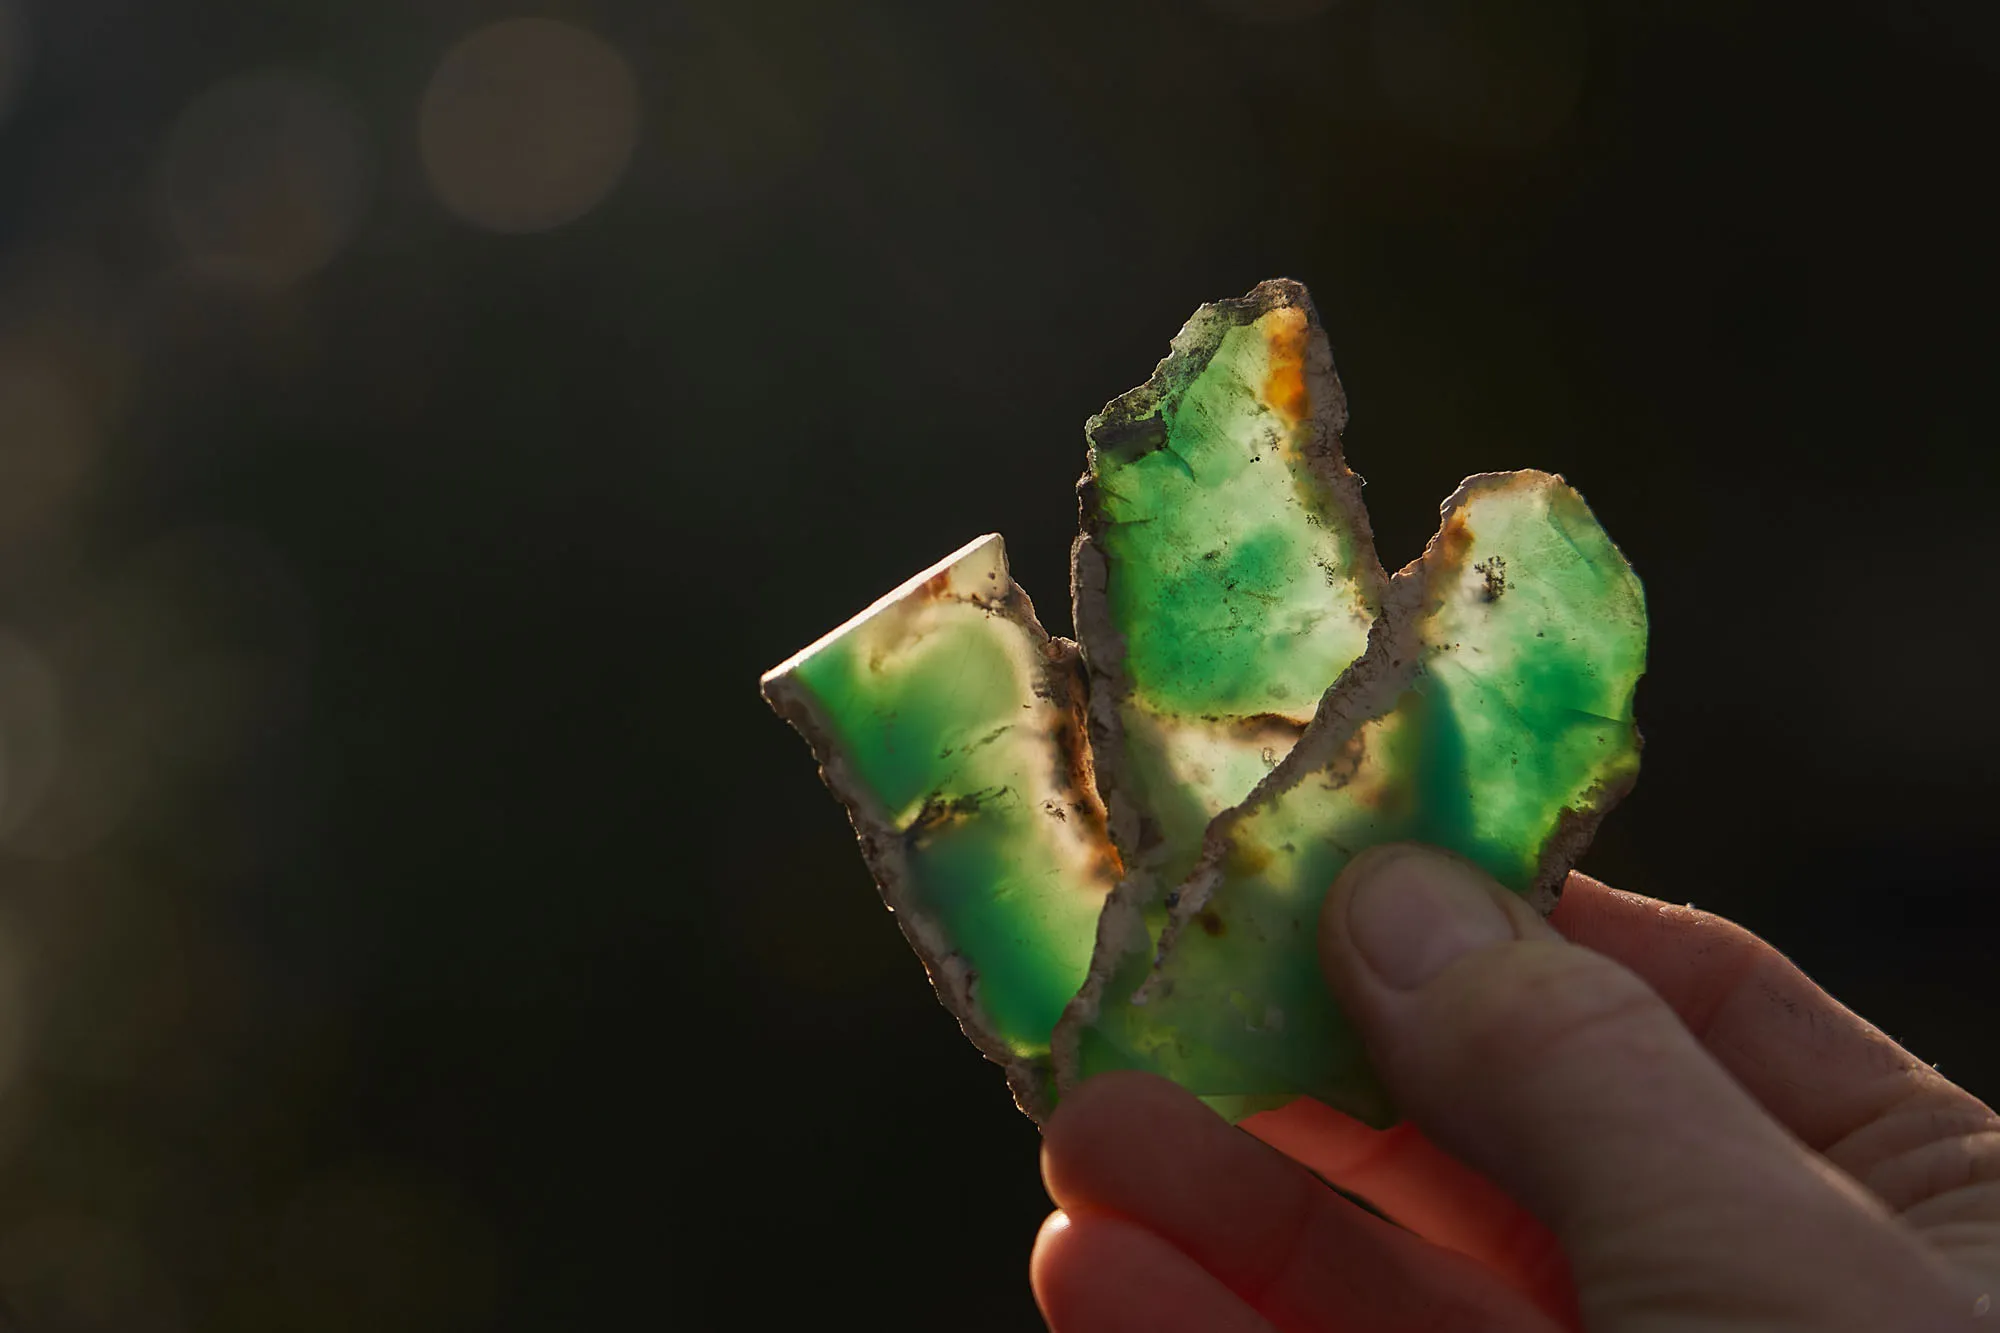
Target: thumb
(1565, 1078)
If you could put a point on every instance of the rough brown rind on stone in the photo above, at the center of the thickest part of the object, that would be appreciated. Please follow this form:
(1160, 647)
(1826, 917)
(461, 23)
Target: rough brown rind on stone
(1056, 765)
(882, 848)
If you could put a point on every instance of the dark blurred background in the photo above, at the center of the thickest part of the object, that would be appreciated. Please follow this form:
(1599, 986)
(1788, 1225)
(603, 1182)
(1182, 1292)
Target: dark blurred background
(420, 422)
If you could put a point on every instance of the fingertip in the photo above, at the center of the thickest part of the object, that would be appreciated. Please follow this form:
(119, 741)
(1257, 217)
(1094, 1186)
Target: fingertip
(1333, 910)
(1588, 907)
(1049, 1240)
(1045, 1259)
(1110, 1092)
(1401, 913)
(1112, 1118)
(1335, 955)
(1092, 1272)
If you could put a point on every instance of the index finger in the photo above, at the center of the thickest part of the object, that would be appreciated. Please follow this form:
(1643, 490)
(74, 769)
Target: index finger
(1834, 1079)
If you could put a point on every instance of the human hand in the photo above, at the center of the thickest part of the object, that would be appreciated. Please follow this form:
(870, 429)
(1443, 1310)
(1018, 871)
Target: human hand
(1662, 1124)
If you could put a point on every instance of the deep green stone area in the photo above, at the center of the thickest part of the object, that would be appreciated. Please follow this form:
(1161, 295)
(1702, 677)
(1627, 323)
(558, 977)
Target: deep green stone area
(950, 725)
(1225, 574)
(1112, 855)
(1491, 716)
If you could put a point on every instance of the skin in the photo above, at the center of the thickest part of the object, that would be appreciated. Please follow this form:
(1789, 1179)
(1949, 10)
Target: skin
(1631, 1118)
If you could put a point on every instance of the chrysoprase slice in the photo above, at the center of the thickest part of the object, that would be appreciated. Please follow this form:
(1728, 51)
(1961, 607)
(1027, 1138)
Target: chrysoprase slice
(1224, 577)
(1225, 574)
(951, 726)
(1491, 715)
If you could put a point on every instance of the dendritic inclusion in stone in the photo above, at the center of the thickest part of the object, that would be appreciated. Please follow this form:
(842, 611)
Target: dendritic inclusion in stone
(1262, 706)
(951, 726)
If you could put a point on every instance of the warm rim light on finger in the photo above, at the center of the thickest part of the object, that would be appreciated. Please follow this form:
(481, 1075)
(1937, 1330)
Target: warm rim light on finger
(1423, 1188)
(1052, 1226)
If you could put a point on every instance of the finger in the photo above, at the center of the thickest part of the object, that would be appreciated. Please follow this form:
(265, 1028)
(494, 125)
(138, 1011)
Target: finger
(1835, 1080)
(1425, 1189)
(1095, 1273)
(1564, 1077)
(1139, 1147)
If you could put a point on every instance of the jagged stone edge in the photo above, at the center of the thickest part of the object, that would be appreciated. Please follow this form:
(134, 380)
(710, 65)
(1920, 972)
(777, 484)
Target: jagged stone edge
(954, 980)
(1188, 356)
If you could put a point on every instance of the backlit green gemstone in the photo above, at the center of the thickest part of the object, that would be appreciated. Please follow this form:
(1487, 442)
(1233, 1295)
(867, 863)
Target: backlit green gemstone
(1491, 716)
(951, 726)
(1262, 706)
(1225, 575)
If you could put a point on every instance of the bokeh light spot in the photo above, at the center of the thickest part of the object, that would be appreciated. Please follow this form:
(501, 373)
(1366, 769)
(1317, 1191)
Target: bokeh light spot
(1499, 78)
(265, 177)
(528, 124)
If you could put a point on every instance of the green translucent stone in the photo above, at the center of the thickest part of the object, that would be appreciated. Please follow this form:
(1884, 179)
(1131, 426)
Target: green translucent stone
(1224, 577)
(951, 726)
(1225, 574)
(1491, 715)
(1114, 857)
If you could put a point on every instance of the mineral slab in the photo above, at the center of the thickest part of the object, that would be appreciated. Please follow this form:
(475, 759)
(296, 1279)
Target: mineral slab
(951, 726)
(1113, 856)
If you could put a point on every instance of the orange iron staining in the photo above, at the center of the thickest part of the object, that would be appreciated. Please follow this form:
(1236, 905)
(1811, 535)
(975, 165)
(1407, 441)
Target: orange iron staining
(1285, 383)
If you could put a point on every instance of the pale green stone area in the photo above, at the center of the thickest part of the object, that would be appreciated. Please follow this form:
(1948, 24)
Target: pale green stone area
(1226, 574)
(1491, 716)
(951, 726)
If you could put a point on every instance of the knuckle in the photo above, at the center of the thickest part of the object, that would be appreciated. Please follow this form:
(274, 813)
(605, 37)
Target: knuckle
(1938, 1169)
(1564, 1005)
